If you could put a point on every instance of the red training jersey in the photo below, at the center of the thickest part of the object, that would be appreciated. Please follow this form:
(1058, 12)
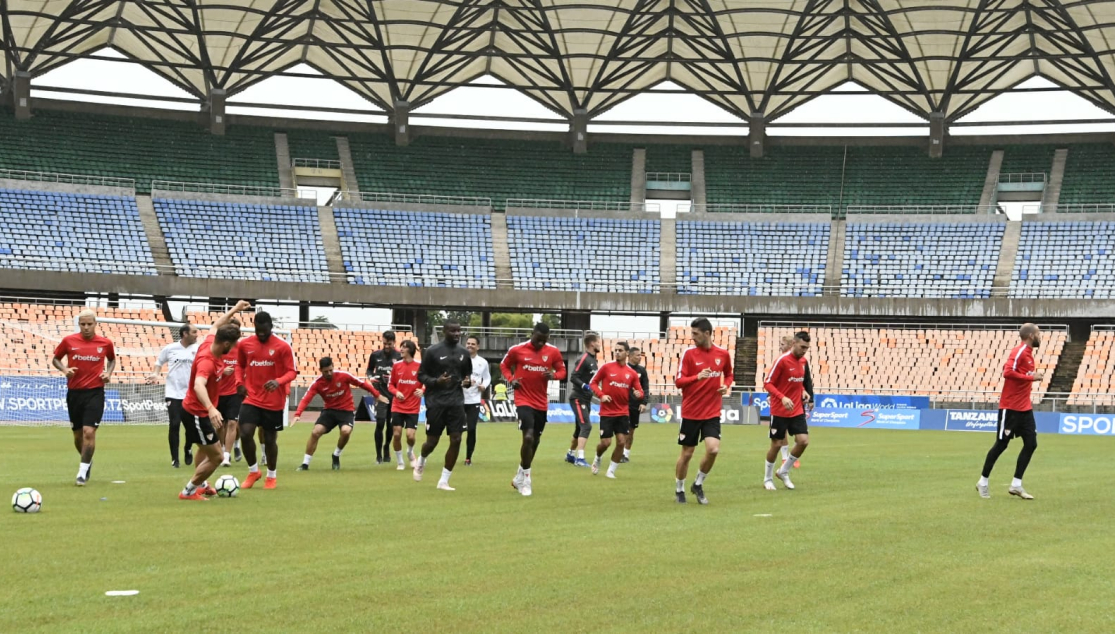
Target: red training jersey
(205, 365)
(87, 358)
(257, 363)
(615, 380)
(228, 388)
(528, 365)
(786, 379)
(336, 392)
(700, 398)
(404, 380)
(1018, 379)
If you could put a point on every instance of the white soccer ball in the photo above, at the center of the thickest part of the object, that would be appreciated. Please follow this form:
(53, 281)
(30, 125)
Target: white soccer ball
(27, 500)
(227, 486)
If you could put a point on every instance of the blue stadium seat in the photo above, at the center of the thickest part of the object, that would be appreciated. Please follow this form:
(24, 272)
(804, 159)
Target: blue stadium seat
(922, 260)
(751, 258)
(79, 233)
(584, 254)
(405, 248)
(280, 243)
(1065, 260)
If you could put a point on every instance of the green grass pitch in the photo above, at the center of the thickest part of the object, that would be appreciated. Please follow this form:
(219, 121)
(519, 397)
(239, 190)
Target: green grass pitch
(885, 534)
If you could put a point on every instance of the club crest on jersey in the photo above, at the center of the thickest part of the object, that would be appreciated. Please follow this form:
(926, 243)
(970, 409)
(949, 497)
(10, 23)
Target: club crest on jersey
(272, 352)
(100, 349)
(718, 362)
(338, 384)
(544, 357)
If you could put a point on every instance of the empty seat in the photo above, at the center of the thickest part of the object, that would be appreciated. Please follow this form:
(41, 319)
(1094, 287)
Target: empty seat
(1065, 260)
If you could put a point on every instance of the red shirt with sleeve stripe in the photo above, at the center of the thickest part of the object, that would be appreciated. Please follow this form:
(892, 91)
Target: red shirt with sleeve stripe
(210, 368)
(1018, 379)
(528, 366)
(335, 392)
(615, 380)
(257, 363)
(404, 379)
(700, 398)
(87, 358)
(786, 379)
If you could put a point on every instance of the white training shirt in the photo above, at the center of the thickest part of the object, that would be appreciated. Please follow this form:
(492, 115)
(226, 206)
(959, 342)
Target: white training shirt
(481, 375)
(178, 360)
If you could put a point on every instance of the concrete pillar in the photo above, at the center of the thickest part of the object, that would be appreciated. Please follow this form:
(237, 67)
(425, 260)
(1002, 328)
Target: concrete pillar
(664, 322)
(303, 312)
(938, 129)
(486, 319)
(697, 180)
(400, 121)
(638, 175)
(576, 319)
(216, 107)
(21, 94)
(578, 131)
(757, 134)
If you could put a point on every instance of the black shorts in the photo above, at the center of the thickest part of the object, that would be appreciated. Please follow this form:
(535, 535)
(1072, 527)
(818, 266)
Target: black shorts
(472, 415)
(200, 432)
(611, 425)
(793, 424)
(449, 419)
(582, 413)
(530, 418)
(229, 406)
(86, 407)
(409, 421)
(1015, 424)
(330, 419)
(383, 412)
(695, 430)
(270, 420)
(633, 416)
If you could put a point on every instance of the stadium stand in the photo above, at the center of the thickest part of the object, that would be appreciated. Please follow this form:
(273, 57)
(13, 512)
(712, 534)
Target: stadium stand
(570, 254)
(492, 168)
(1096, 375)
(1065, 259)
(1088, 171)
(72, 232)
(402, 248)
(663, 157)
(243, 241)
(312, 144)
(1023, 159)
(958, 364)
(883, 175)
(138, 148)
(931, 260)
(662, 354)
(750, 258)
(787, 175)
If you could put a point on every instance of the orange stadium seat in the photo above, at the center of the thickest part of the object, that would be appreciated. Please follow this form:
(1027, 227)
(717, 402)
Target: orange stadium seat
(661, 356)
(1095, 379)
(945, 364)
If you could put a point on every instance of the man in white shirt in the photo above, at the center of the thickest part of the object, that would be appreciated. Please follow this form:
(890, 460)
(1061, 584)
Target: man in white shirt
(481, 379)
(179, 358)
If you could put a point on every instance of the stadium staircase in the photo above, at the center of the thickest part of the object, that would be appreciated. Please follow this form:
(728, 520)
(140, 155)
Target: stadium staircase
(667, 266)
(1052, 195)
(500, 251)
(282, 158)
(331, 243)
(1068, 365)
(155, 238)
(991, 183)
(344, 153)
(835, 260)
(745, 362)
(1008, 251)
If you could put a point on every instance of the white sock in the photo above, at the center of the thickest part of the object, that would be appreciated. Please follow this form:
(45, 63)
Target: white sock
(983, 481)
(785, 452)
(337, 452)
(789, 464)
(410, 450)
(253, 468)
(399, 456)
(701, 475)
(1016, 482)
(83, 470)
(191, 488)
(205, 485)
(596, 461)
(612, 467)
(681, 485)
(769, 474)
(422, 461)
(271, 473)
(227, 456)
(526, 473)
(237, 444)
(626, 452)
(520, 471)
(580, 454)
(306, 459)
(445, 473)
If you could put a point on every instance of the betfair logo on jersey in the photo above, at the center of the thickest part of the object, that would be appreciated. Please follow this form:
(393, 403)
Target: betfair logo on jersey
(624, 386)
(85, 357)
(536, 368)
(408, 382)
(261, 364)
(797, 379)
(335, 394)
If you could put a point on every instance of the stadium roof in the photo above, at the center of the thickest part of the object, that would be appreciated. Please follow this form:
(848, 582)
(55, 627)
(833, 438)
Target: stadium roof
(749, 56)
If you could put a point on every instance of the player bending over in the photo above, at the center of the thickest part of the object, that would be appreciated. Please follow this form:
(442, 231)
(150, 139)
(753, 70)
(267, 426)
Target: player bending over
(614, 383)
(90, 360)
(529, 367)
(785, 383)
(206, 375)
(335, 389)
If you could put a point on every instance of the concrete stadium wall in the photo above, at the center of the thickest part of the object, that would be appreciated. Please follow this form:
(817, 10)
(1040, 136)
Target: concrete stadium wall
(767, 218)
(66, 188)
(390, 206)
(942, 219)
(228, 198)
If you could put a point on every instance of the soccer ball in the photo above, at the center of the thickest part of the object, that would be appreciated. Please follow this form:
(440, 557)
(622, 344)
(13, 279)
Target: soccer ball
(228, 486)
(27, 500)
